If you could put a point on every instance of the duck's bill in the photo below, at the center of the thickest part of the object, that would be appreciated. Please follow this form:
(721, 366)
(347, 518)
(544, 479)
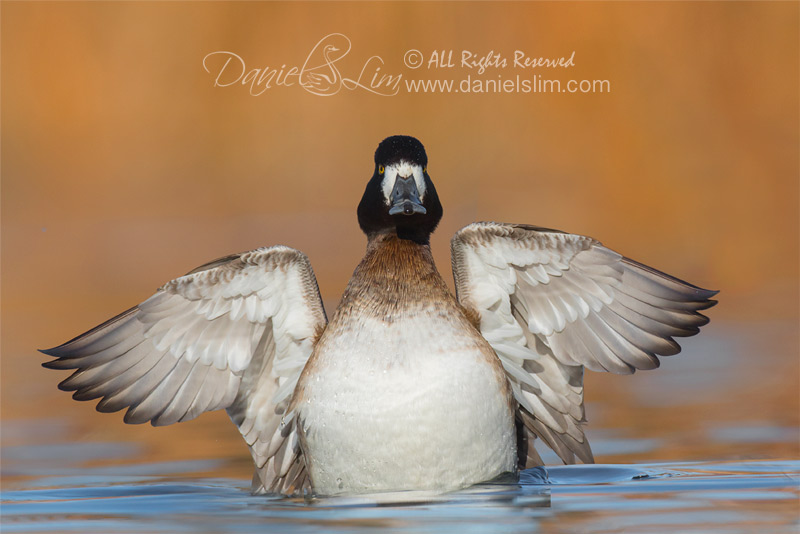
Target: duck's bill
(405, 198)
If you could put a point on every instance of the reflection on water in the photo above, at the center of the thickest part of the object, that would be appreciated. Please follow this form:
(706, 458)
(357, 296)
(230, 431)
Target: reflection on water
(706, 497)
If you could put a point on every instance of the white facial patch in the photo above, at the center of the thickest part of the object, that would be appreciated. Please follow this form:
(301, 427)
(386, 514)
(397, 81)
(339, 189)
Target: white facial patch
(404, 169)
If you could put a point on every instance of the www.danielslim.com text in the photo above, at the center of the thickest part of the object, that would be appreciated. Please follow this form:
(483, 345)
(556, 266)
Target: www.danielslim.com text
(517, 84)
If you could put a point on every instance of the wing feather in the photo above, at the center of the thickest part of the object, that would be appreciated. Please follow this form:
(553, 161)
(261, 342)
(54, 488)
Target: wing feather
(183, 398)
(232, 334)
(111, 376)
(552, 303)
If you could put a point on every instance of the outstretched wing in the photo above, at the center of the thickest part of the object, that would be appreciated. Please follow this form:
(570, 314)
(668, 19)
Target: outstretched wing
(232, 334)
(551, 303)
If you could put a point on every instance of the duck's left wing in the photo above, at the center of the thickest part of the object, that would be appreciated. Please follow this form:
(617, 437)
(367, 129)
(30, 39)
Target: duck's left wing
(551, 303)
(233, 334)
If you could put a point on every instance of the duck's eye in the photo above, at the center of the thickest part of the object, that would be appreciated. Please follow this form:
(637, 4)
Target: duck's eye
(380, 169)
(425, 169)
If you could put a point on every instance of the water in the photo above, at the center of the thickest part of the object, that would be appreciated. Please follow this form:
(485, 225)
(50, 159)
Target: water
(57, 489)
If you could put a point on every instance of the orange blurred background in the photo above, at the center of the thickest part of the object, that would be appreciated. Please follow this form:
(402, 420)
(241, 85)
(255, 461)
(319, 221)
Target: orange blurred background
(123, 166)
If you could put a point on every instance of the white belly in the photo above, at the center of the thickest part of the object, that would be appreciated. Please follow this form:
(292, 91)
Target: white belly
(413, 404)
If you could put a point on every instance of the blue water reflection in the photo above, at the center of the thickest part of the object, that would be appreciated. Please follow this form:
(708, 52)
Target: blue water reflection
(708, 497)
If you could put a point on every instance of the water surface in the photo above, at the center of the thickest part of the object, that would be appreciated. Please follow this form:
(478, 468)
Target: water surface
(68, 496)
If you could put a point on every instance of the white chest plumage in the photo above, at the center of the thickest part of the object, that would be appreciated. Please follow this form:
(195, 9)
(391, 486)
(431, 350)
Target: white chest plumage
(411, 403)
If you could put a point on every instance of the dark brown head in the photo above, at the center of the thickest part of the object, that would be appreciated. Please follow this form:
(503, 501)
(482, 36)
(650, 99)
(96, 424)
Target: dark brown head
(400, 196)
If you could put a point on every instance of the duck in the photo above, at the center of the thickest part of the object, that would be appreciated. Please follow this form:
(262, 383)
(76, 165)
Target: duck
(408, 387)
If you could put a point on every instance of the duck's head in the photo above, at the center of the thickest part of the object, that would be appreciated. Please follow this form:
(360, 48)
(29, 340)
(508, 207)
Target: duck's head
(400, 196)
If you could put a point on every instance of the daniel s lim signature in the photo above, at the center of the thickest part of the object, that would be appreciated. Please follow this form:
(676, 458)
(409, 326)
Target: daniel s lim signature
(319, 74)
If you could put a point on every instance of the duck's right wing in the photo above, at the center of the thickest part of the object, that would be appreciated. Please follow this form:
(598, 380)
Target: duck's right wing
(233, 334)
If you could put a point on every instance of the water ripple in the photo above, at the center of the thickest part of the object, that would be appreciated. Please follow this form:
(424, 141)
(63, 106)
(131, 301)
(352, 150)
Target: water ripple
(707, 497)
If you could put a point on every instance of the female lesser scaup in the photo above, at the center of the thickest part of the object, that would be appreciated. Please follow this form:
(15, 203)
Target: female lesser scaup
(407, 387)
